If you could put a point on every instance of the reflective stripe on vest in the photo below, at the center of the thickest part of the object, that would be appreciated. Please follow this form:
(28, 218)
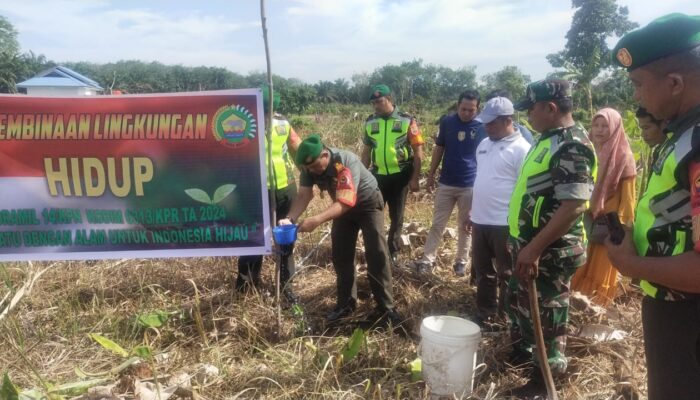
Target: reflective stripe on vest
(663, 206)
(391, 150)
(280, 158)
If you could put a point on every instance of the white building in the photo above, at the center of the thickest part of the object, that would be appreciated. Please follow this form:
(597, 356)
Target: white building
(59, 82)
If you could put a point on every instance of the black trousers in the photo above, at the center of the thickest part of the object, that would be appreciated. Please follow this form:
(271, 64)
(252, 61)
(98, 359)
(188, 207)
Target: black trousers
(672, 348)
(489, 243)
(370, 219)
(394, 190)
(249, 267)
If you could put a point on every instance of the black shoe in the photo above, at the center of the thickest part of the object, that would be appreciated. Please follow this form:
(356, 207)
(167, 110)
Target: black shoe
(534, 389)
(291, 297)
(394, 258)
(460, 269)
(340, 312)
(423, 268)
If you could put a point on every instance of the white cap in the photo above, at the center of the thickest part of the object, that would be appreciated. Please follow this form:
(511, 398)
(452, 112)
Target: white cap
(495, 108)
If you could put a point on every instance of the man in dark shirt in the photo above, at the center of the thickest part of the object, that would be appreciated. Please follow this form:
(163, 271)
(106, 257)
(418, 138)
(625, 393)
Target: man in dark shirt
(455, 147)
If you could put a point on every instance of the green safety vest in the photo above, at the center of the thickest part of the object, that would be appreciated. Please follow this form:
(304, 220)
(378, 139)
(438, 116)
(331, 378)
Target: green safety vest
(662, 223)
(281, 164)
(388, 138)
(534, 189)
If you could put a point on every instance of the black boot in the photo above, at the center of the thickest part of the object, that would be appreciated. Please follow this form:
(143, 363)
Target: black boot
(341, 311)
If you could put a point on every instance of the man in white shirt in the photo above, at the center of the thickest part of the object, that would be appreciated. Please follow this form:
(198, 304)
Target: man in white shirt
(499, 158)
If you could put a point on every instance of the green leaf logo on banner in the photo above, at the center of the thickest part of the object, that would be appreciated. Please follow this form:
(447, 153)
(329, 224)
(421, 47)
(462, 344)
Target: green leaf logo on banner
(199, 195)
(223, 191)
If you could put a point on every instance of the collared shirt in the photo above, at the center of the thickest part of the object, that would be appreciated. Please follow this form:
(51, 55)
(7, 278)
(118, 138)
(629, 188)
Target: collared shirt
(459, 141)
(498, 166)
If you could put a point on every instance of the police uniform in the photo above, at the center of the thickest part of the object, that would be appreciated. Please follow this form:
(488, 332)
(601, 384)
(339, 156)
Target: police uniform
(665, 223)
(349, 182)
(280, 180)
(561, 166)
(391, 139)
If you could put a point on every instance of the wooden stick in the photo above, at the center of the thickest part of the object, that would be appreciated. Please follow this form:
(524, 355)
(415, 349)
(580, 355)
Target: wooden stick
(268, 136)
(539, 339)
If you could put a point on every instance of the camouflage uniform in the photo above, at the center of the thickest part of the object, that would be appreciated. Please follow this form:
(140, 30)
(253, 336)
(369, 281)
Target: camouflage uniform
(561, 166)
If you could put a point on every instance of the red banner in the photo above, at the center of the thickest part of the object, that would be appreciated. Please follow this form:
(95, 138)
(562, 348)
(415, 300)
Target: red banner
(166, 175)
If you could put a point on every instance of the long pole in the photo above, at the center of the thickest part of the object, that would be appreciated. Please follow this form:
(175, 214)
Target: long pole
(539, 340)
(268, 133)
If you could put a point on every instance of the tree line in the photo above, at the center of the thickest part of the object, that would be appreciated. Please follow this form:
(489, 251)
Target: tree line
(585, 60)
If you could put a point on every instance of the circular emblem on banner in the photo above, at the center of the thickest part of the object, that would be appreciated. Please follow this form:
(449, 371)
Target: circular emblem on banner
(624, 57)
(234, 126)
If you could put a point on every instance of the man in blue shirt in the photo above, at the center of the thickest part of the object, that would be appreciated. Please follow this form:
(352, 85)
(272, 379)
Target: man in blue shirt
(455, 147)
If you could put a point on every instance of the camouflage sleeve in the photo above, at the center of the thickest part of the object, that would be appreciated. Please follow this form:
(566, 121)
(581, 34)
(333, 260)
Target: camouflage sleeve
(572, 172)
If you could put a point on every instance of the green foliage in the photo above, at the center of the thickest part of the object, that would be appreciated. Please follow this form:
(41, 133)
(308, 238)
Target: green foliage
(509, 78)
(154, 319)
(416, 370)
(586, 52)
(614, 90)
(8, 391)
(353, 345)
(145, 352)
(109, 345)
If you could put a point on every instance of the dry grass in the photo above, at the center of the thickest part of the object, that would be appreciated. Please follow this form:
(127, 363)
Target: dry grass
(44, 339)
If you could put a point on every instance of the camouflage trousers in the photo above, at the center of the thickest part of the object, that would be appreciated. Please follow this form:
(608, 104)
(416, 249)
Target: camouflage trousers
(556, 267)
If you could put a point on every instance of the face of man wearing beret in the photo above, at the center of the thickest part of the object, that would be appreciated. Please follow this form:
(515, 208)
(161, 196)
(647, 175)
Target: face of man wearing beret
(659, 94)
(382, 105)
(319, 165)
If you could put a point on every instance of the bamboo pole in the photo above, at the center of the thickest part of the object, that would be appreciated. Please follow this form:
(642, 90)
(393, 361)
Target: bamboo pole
(268, 137)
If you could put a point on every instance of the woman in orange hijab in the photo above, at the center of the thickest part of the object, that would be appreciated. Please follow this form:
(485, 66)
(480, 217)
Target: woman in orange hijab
(614, 191)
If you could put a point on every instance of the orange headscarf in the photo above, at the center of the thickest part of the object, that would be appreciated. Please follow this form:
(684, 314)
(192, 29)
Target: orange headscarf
(615, 161)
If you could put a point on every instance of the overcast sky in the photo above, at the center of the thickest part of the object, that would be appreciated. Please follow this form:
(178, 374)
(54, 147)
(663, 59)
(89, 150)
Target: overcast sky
(310, 39)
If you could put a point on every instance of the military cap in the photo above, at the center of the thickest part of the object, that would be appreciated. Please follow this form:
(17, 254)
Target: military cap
(309, 150)
(266, 98)
(664, 36)
(544, 90)
(378, 91)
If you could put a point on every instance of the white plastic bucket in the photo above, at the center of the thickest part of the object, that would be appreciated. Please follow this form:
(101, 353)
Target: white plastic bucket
(448, 354)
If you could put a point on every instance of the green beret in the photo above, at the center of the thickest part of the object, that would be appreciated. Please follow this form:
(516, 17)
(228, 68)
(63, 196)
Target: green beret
(266, 98)
(664, 36)
(379, 91)
(544, 90)
(309, 150)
